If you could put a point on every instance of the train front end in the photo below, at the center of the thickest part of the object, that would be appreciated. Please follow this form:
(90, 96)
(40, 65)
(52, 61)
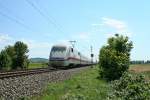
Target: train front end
(58, 56)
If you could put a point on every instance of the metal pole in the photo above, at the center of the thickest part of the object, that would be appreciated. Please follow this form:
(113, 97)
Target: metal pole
(92, 55)
(72, 43)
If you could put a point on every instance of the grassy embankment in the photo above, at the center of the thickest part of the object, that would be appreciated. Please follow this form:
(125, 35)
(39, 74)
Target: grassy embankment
(84, 85)
(37, 65)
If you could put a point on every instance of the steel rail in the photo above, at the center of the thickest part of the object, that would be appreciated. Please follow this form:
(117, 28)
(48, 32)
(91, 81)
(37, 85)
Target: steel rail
(9, 74)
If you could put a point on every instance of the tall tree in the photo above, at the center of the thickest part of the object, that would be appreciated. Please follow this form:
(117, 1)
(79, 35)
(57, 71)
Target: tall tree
(20, 59)
(11, 52)
(114, 58)
(5, 60)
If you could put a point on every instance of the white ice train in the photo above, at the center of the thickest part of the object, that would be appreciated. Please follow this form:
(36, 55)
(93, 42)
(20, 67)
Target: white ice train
(65, 56)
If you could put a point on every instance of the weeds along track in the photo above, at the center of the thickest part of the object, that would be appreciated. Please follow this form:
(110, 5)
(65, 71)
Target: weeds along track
(16, 73)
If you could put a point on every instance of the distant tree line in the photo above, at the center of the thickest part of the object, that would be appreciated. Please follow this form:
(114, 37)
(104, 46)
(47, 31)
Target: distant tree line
(140, 62)
(14, 57)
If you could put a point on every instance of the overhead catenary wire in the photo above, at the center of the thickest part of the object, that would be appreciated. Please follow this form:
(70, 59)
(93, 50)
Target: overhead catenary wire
(15, 20)
(84, 50)
(49, 16)
(43, 15)
(87, 49)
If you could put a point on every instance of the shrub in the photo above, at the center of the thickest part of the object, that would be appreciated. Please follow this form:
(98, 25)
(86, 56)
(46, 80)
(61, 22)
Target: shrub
(114, 58)
(5, 60)
(11, 53)
(20, 59)
(113, 65)
(131, 87)
(14, 57)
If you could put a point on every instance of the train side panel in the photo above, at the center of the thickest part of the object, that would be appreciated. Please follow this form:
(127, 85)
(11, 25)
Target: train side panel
(61, 55)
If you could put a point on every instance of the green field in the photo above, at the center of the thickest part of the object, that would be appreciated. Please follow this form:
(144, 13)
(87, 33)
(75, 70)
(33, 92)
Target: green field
(37, 65)
(140, 65)
(84, 86)
(141, 68)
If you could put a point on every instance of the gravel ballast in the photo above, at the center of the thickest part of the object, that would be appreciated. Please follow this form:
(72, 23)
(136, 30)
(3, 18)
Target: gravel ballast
(31, 85)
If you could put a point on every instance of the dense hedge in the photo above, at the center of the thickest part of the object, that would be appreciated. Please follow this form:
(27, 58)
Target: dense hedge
(5, 60)
(131, 87)
(114, 58)
(113, 65)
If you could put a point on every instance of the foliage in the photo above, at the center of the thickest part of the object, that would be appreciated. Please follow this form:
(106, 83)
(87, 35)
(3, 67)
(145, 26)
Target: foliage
(114, 58)
(83, 86)
(14, 56)
(131, 87)
(11, 52)
(20, 59)
(113, 65)
(140, 62)
(5, 60)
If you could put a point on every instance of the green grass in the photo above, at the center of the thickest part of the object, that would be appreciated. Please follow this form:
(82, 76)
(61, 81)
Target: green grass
(83, 86)
(147, 75)
(142, 68)
(142, 65)
(37, 65)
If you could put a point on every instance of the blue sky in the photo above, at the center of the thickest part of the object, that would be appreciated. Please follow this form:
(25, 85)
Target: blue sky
(89, 22)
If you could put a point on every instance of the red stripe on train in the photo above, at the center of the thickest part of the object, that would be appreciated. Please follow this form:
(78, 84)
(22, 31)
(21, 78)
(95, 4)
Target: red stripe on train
(76, 59)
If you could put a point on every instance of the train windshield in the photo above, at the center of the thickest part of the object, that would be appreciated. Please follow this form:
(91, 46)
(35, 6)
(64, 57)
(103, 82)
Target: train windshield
(58, 52)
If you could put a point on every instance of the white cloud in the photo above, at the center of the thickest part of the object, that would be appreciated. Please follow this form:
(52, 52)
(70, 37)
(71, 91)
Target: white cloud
(83, 35)
(38, 48)
(96, 24)
(4, 38)
(119, 26)
(35, 44)
(112, 26)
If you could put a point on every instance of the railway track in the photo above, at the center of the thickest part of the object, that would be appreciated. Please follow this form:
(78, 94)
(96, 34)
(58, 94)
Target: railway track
(17, 73)
(9, 74)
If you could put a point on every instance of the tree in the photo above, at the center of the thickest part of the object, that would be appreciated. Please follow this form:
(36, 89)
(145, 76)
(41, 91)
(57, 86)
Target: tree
(11, 52)
(5, 60)
(114, 58)
(20, 59)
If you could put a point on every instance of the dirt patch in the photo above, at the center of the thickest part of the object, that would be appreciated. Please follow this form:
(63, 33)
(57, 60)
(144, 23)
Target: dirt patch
(140, 68)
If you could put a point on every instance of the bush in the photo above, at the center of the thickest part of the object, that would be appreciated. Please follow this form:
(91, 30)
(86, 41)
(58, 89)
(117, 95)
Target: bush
(5, 60)
(113, 65)
(114, 58)
(14, 57)
(11, 53)
(20, 59)
(131, 87)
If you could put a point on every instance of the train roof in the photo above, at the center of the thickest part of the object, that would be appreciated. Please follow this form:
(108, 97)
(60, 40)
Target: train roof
(62, 45)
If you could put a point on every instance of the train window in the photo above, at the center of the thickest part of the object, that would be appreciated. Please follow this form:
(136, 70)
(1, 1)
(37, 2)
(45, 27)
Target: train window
(79, 53)
(59, 49)
(71, 49)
